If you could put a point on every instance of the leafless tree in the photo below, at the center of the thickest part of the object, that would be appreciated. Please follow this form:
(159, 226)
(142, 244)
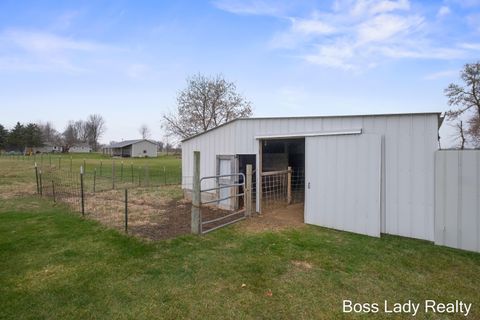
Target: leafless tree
(466, 100)
(205, 103)
(95, 126)
(144, 131)
(459, 134)
(49, 133)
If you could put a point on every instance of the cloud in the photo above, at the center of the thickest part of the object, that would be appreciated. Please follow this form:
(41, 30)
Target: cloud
(441, 74)
(255, 7)
(443, 11)
(359, 34)
(28, 50)
(137, 70)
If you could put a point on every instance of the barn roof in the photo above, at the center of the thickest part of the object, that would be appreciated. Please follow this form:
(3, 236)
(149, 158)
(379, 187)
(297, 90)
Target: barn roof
(128, 143)
(439, 114)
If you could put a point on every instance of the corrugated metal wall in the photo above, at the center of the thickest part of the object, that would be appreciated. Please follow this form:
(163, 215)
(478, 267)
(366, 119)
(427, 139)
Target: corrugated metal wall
(343, 182)
(409, 144)
(457, 199)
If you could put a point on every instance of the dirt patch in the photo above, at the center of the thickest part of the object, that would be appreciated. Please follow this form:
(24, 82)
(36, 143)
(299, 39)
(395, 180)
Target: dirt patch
(302, 264)
(276, 219)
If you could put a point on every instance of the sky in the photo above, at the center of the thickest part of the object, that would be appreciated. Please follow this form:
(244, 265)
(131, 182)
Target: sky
(127, 60)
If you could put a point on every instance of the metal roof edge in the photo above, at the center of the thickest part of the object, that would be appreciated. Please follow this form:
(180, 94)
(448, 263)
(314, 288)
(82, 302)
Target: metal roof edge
(319, 117)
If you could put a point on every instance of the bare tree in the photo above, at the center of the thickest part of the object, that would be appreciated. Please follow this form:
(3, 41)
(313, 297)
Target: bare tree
(205, 103)
(459, 134)
(144, 131)
(95, 127)
(466, 100)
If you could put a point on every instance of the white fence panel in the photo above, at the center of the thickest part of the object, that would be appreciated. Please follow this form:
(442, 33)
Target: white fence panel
(457, 199)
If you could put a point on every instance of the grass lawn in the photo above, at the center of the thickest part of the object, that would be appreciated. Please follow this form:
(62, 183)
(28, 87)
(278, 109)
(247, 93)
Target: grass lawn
(54, 264)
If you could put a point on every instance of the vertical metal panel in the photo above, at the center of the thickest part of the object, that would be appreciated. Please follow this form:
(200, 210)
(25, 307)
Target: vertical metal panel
(457, 197)
(343, 182)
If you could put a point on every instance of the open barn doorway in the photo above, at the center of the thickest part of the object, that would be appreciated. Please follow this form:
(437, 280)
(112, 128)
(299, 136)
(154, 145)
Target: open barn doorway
(282, 176)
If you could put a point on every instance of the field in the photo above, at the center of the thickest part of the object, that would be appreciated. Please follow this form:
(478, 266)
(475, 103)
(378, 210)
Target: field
(54, 264)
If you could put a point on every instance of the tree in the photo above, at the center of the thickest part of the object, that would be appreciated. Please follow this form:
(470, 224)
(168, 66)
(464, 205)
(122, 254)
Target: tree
(144, 131)
(95, 127)
(3, 137)
(16, 139)
(205, 103)
(466, 100)
(32, 135)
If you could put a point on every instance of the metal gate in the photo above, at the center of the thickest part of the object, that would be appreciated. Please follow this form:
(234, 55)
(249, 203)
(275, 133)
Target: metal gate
(226, 193)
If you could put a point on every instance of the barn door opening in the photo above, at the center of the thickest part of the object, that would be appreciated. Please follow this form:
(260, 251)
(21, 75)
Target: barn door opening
(343, 183)
(282, 172)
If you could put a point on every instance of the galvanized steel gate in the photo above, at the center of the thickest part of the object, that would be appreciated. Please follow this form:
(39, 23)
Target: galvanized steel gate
(230, 183)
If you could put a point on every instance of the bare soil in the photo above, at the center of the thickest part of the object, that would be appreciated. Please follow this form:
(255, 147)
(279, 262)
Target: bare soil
(276, 219)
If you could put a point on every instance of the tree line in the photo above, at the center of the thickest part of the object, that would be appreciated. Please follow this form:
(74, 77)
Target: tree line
(31, 135)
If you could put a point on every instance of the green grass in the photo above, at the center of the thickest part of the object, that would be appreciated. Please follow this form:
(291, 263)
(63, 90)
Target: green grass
(56, 265)
(163, 169)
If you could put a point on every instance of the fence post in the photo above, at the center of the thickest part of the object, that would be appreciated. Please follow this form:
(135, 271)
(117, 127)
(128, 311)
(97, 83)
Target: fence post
(248, 191)
(82, 196)
(289, 185)
(36, 178)
(50, 160)
(94, 179)
(53, 191)
(41, 185)
(139, 176)
(113, 174)
(126, 210)
(196, 224)
(165, 175)
(59, 162)
(101, 163)
(71, 163)
(131, 169)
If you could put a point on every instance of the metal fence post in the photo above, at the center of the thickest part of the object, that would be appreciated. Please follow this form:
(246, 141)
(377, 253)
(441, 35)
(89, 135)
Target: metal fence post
(131, 169)
(196, 224)
(248, 191)
(36, 178)
(41, 185)
(289, 185)
(94, 179)
(82, 196)
(126, 210)
(53, 191)
(113, 174)
(139, 176)
(101, 163)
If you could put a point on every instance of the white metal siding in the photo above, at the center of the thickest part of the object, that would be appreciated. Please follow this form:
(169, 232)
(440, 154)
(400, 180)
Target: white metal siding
(343, 182)
(410, 142)
(457, 199)
(137, 149)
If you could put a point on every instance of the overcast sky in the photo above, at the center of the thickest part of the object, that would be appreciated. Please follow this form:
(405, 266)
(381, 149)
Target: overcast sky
(126, 60)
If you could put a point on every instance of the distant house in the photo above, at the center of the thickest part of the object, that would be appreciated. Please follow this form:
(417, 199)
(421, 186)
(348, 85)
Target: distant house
(80, 148)
(132, 148)
(48, 147)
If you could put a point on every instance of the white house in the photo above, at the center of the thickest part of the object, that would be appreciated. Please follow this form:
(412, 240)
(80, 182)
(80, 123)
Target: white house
(369, 174)
(132, 148)
(80, 148)
(48, 147)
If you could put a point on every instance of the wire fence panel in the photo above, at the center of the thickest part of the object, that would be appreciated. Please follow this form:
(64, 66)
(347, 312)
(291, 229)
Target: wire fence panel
(279, 190)
(153, 212)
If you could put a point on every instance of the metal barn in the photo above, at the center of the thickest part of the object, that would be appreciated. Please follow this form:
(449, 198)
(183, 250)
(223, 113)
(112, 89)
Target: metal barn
(140, 148)
(368, 174)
